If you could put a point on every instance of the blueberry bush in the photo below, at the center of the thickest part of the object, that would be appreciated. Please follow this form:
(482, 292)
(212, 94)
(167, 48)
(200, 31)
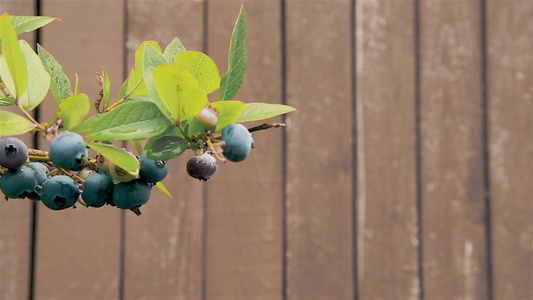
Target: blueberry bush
(162, 110)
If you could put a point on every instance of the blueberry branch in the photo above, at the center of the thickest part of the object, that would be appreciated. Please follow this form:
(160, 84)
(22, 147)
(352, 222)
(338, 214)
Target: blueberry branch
(266, 126)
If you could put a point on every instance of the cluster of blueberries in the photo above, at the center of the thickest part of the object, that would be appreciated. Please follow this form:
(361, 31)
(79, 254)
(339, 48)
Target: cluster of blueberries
(104, 182)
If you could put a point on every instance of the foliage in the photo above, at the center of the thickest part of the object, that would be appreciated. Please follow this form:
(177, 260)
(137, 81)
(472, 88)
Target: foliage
(158, 104)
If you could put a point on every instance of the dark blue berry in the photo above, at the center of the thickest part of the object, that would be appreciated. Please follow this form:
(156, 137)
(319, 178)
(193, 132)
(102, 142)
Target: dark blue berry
(202, 166)
(13, 153)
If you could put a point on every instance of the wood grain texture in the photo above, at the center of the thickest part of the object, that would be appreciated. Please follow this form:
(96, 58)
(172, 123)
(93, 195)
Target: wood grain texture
(244, 199)
(386, 201)
(319, 173)
(15, 214)
(452, 162)
(510, 90)
(164, 244)
(78, 248)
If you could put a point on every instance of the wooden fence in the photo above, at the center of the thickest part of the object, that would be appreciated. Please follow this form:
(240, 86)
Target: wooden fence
(405, 173)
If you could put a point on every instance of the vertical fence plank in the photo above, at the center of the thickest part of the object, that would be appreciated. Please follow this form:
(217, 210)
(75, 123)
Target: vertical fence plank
(452, 165)
(15, 214)
(510, 50)
(386, 203)
(244, 208)
(78, 248)
(164, 244)
(319, 192)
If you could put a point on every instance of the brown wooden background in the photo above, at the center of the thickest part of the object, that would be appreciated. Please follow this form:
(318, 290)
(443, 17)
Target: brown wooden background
(406, 172)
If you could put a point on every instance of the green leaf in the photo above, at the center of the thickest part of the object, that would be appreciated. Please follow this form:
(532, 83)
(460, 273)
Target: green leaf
(61, 87)
(13, 56)
(202, 67)
(152, 58)
(118, 156)
(29, 23)
(87, 124)
(38, 79)
(13, 124)
(166, 145)
(173, 49)
(134, 84)
(179, 91)
(123, 89)
(7, 101)
(131, 120)
(228, 113)
(231, 81)
(106, 89)
(163, 189)
(261, 111)
(73, 110)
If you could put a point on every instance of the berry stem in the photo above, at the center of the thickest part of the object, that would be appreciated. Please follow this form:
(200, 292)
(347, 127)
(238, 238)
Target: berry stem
(266, 126)
(37, 124)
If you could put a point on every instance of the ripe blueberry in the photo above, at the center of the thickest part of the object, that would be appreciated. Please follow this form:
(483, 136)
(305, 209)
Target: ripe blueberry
(202, 166)
(98, 189)
(18, 183)
(40, 174)
(68, 151)
(13, 153)
(59, 192)
(40, 171)
(152, 171)
(238, 142)
(131, 194)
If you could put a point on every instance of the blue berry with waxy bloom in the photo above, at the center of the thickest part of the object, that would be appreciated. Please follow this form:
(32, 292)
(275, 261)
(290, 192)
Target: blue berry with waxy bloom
(152, 171)
(68, 151)
(13, 153)
(59, 192)
(132, 194)
(98, 189)
(18, 183)
(238, 142)
(202, 166)
(40, 171)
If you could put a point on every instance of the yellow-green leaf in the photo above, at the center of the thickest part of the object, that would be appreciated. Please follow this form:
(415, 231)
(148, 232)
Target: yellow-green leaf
(38, 79)
(163, 189)
(13, 56)
(73, 110)
(202, 67)
(13, 124)
(118, 156)
(179, 91)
